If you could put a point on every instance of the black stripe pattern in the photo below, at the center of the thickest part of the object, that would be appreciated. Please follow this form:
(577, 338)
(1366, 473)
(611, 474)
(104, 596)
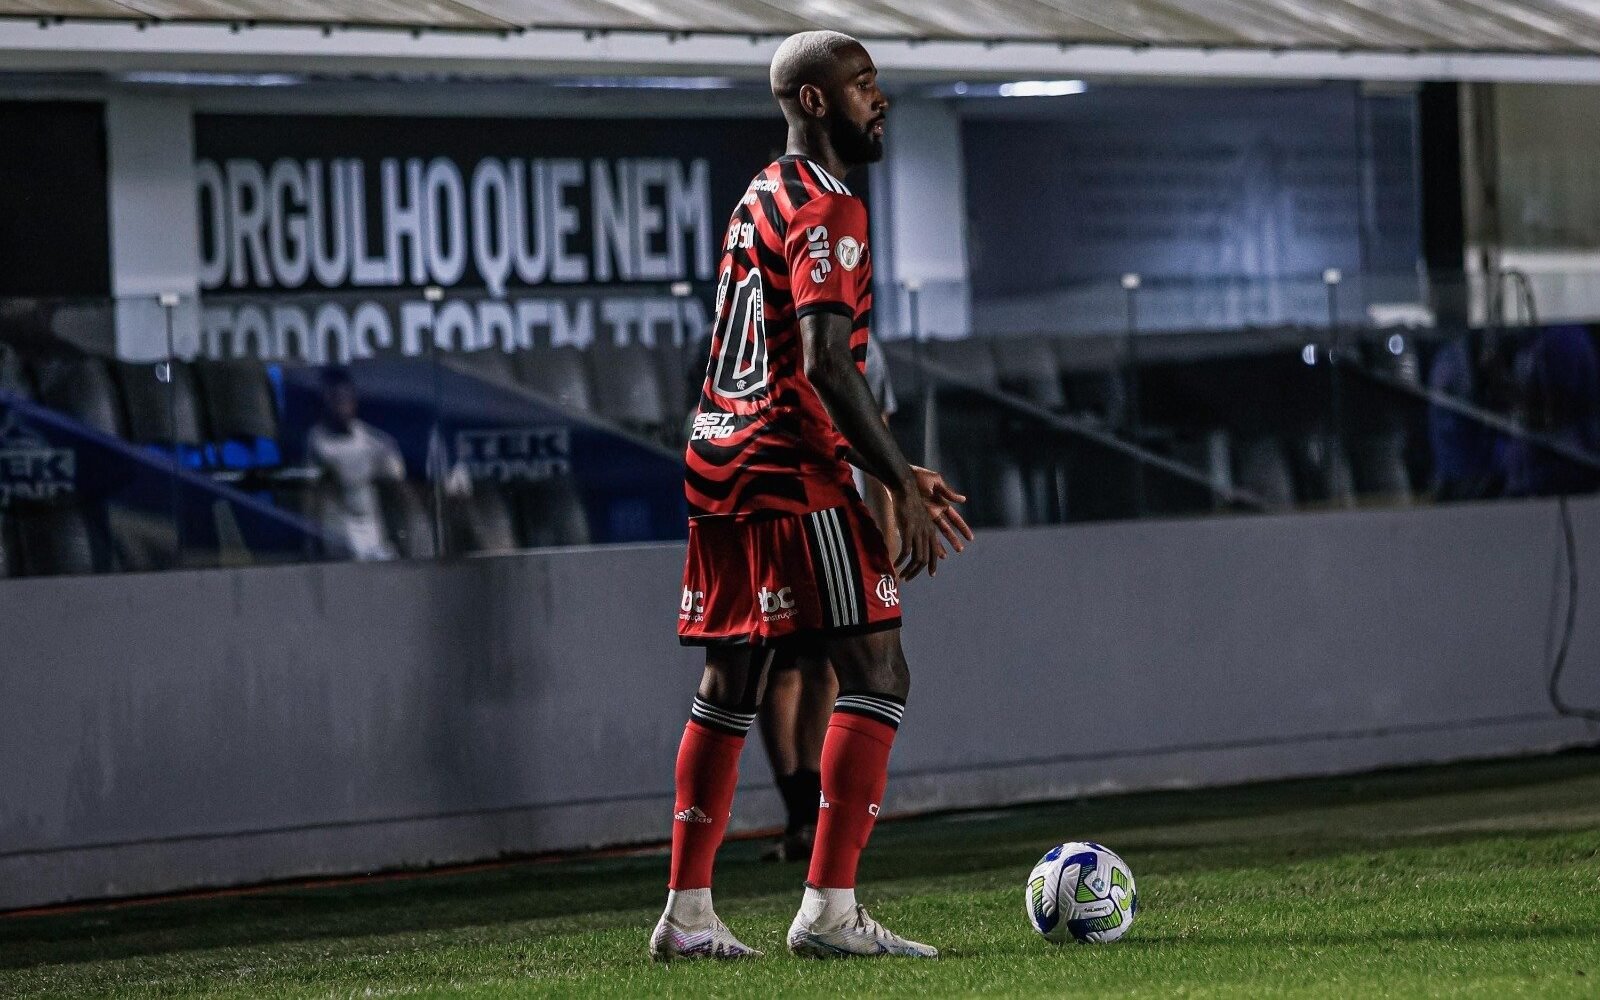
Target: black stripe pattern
(721, 719)
(884, 708)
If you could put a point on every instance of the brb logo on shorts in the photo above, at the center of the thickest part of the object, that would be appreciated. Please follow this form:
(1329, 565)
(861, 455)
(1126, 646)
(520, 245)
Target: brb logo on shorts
(776, 604)
(888, 591)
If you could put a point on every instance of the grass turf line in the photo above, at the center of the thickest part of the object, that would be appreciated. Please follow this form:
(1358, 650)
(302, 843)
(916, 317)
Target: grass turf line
(1472, 880)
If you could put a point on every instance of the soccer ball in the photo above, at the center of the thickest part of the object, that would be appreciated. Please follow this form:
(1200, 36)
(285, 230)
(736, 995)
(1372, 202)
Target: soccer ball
(1083, 892)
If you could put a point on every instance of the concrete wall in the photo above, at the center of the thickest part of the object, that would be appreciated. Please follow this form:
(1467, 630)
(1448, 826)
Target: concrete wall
(213, 728)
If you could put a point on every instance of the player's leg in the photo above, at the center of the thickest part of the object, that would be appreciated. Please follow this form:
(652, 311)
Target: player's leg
(705, 777)
(778, 719)
(793, 720)
(873, 683)
(864, 649)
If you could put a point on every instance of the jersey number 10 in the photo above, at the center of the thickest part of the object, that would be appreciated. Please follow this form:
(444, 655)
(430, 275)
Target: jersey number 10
(742, 361)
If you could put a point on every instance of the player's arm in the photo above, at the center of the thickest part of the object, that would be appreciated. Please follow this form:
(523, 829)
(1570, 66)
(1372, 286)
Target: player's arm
(881, 506)
(922, 501)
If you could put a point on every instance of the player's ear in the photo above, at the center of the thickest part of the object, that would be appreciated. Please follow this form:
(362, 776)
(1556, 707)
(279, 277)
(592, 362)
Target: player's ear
(813, 101)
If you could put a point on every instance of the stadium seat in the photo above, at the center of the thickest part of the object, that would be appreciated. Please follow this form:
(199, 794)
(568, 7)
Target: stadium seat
(1027, 366)
(909, 382)
(1261, 468)
(238, 399)
(550, 513)
(60, 540)
(13, 379)
(1378, 467)
(970, 425)
(142, 542)
(558, 373)
(1092, 376)
(1321, 470)
(968, 363)
(406, 513)
(491, 364)
(680, 379)
(81, 388)
(628, 389)
(161, 412)
(481, 522)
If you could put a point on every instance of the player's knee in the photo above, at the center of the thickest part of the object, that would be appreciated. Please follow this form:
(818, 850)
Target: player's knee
(731, 681)
(888, 674)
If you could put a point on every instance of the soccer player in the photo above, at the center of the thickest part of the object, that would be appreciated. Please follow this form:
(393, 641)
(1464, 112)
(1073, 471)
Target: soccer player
(781, 548)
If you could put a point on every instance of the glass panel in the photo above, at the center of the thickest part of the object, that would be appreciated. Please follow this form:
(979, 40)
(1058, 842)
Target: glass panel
(323, 412)
(95, 451)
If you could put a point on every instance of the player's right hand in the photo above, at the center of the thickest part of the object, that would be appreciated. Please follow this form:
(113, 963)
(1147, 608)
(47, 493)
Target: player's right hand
(924, 508)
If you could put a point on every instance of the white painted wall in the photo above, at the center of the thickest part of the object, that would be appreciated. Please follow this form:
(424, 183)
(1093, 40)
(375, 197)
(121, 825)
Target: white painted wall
(922, 212)
(154, 224)
(212, 728)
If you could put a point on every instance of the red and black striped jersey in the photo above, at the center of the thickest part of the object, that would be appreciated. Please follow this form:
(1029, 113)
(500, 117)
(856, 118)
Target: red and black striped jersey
(762, 441)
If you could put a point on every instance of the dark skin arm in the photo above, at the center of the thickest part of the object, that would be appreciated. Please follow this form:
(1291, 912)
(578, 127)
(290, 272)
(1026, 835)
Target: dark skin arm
(923, 502)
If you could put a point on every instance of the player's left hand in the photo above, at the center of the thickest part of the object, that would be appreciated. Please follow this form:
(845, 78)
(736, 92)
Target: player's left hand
(940, 500)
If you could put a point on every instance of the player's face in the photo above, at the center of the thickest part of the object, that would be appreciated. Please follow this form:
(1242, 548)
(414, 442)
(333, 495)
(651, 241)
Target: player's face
(858, 109)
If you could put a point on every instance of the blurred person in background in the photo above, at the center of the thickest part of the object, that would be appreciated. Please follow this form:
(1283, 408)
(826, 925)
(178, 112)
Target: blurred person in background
(801, 685)
(1467, 453)
(353, 457)
(1556, 383)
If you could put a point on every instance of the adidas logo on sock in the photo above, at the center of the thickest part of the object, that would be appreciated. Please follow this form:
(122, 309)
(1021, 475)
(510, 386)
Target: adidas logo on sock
(692, 815)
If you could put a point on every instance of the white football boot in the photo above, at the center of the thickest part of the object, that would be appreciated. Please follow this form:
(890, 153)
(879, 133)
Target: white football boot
(831, 924)
(690, 929)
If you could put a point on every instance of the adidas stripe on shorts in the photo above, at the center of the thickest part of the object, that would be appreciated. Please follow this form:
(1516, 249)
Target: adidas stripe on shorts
(777, 576)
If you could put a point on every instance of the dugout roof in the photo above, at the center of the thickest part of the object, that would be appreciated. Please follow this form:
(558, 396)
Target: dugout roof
(1548, 27)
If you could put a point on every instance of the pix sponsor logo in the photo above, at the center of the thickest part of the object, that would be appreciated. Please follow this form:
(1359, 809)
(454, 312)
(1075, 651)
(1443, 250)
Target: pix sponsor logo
(712, 427)
(819, 249)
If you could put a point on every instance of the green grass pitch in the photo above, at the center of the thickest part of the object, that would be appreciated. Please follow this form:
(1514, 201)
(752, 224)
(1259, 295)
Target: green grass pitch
(1473, 880)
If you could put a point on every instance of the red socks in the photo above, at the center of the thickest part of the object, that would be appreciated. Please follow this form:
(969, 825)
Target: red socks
(855, 771)
(708, 770)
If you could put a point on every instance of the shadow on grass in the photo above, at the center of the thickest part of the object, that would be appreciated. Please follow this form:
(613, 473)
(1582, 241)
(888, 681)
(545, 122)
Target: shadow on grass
(906, 851)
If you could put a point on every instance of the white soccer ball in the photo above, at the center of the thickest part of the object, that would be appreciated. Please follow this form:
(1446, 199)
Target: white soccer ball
(1081, 892)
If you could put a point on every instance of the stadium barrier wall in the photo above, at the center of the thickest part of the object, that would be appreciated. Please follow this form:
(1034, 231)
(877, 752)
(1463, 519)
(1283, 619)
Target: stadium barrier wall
(197, 729)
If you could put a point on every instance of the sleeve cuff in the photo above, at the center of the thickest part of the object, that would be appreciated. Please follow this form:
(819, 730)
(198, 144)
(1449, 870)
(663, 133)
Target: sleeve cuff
(837, 308)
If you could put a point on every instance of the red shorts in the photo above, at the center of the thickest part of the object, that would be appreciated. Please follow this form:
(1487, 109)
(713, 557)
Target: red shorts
(786, 576)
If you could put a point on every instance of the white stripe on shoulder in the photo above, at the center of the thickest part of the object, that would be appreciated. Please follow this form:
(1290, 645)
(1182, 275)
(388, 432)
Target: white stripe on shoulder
(820, 176)
(838, 185)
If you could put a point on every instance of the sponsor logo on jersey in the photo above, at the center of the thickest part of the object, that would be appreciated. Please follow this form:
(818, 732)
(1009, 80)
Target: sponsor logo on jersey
(741, 236)
(693, 605)
(848, 252)
(693, 814)
(766, 185)
(888, 591)
(872, 810)
(776, 605)
(712, 427)
(819, 249)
